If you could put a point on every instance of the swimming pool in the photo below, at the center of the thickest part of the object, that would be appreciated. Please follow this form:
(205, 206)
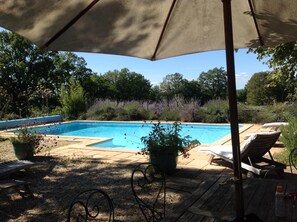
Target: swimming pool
(127, 134)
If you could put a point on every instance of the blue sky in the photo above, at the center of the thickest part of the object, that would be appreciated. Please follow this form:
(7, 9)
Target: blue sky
(190, 66)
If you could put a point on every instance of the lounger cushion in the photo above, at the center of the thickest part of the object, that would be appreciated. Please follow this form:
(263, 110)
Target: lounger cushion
(251, 152)
(225, 150)
(274, 124)
(13, 166)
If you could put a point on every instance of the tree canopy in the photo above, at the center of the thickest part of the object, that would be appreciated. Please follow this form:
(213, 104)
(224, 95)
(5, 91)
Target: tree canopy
(213, 84)
(258, 92)
(172, 85)
(22, 68)
(126, 86)
(283, 60)
(26, 73)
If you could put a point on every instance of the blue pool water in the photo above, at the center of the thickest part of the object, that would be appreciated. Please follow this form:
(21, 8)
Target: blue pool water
(127, 135)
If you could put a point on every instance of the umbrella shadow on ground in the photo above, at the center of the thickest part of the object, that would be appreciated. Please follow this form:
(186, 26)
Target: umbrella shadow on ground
(56, 181)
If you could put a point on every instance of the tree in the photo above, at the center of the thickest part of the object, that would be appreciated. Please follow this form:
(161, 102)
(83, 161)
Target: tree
(112, 77)
(126, 86)
(32, 77)
(191, 90)
(213, 84)
(132, 86)
(258, 92)
(69, 65)
(283, 60)
(241, 95)
(172, 85)
(155, 94)
(73, 99)
(22, 68)
(97, 87)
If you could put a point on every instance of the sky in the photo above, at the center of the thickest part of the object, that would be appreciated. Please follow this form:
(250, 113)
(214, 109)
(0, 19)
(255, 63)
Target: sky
(190, 66)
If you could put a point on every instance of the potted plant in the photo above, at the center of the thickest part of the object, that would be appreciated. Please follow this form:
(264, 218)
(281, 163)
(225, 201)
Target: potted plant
(164, 144)
(26, 143)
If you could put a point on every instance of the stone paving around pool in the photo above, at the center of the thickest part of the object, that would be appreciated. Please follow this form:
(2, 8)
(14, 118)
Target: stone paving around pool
(199, 160)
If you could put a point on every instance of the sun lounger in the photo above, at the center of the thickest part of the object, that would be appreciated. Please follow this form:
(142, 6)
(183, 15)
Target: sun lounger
(252, 153)
(22, 187)
(269, 127)
(275, 125)
(13, 166)
(10, 167)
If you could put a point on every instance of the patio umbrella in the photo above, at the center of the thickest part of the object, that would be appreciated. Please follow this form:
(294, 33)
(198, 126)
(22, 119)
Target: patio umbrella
(155, 30)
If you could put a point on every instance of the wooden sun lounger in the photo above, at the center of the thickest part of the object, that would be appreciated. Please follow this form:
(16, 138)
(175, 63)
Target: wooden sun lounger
(13, 166)
(22, 187)
(9, 167)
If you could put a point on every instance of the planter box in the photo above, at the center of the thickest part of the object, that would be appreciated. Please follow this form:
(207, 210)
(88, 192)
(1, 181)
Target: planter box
(23, 151)
(165, 160)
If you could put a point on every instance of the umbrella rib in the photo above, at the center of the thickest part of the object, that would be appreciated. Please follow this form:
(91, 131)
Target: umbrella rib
(69, 24)
(163, 29)
(256, 24)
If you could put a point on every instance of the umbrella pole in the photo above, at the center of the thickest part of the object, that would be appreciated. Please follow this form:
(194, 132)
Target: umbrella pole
(233, 108)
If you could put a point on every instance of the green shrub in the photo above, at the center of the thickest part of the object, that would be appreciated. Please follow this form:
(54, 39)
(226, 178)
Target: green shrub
(82, 116)
(102, 113)
(152, 116)
(109, 110)
(263, 114)
(214, 111)
(282, 157)
(36, 111)
(11, 116)
(199, 114)
(279, 112)
(289, 134)
(258, 114)
(135, 111)
(93, 112)
(188, 112)
(245, 114)
(57, 111)
(121, 114)
(73, 99)
(108, 113)
(170, 115)
(291, 110)
(102, 110)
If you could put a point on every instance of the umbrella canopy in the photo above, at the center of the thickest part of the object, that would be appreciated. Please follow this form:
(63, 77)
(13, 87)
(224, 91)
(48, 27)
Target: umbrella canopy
(154, 30)
(148, 29)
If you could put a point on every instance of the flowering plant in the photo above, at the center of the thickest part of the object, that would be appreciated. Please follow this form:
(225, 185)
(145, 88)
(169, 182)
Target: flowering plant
(34, 140)
(168, 138)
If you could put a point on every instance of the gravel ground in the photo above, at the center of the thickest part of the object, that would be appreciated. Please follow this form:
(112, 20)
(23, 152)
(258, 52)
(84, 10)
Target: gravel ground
(56, 181)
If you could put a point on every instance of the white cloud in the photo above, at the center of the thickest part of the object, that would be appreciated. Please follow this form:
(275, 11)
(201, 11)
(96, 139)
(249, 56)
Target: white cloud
(155, 83)
(242, 79)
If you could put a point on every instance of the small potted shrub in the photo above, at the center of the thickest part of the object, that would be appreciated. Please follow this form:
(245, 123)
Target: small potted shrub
(27, 143)
(164, 144)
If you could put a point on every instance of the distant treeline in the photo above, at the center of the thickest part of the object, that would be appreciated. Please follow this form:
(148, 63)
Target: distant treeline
(35, 82)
